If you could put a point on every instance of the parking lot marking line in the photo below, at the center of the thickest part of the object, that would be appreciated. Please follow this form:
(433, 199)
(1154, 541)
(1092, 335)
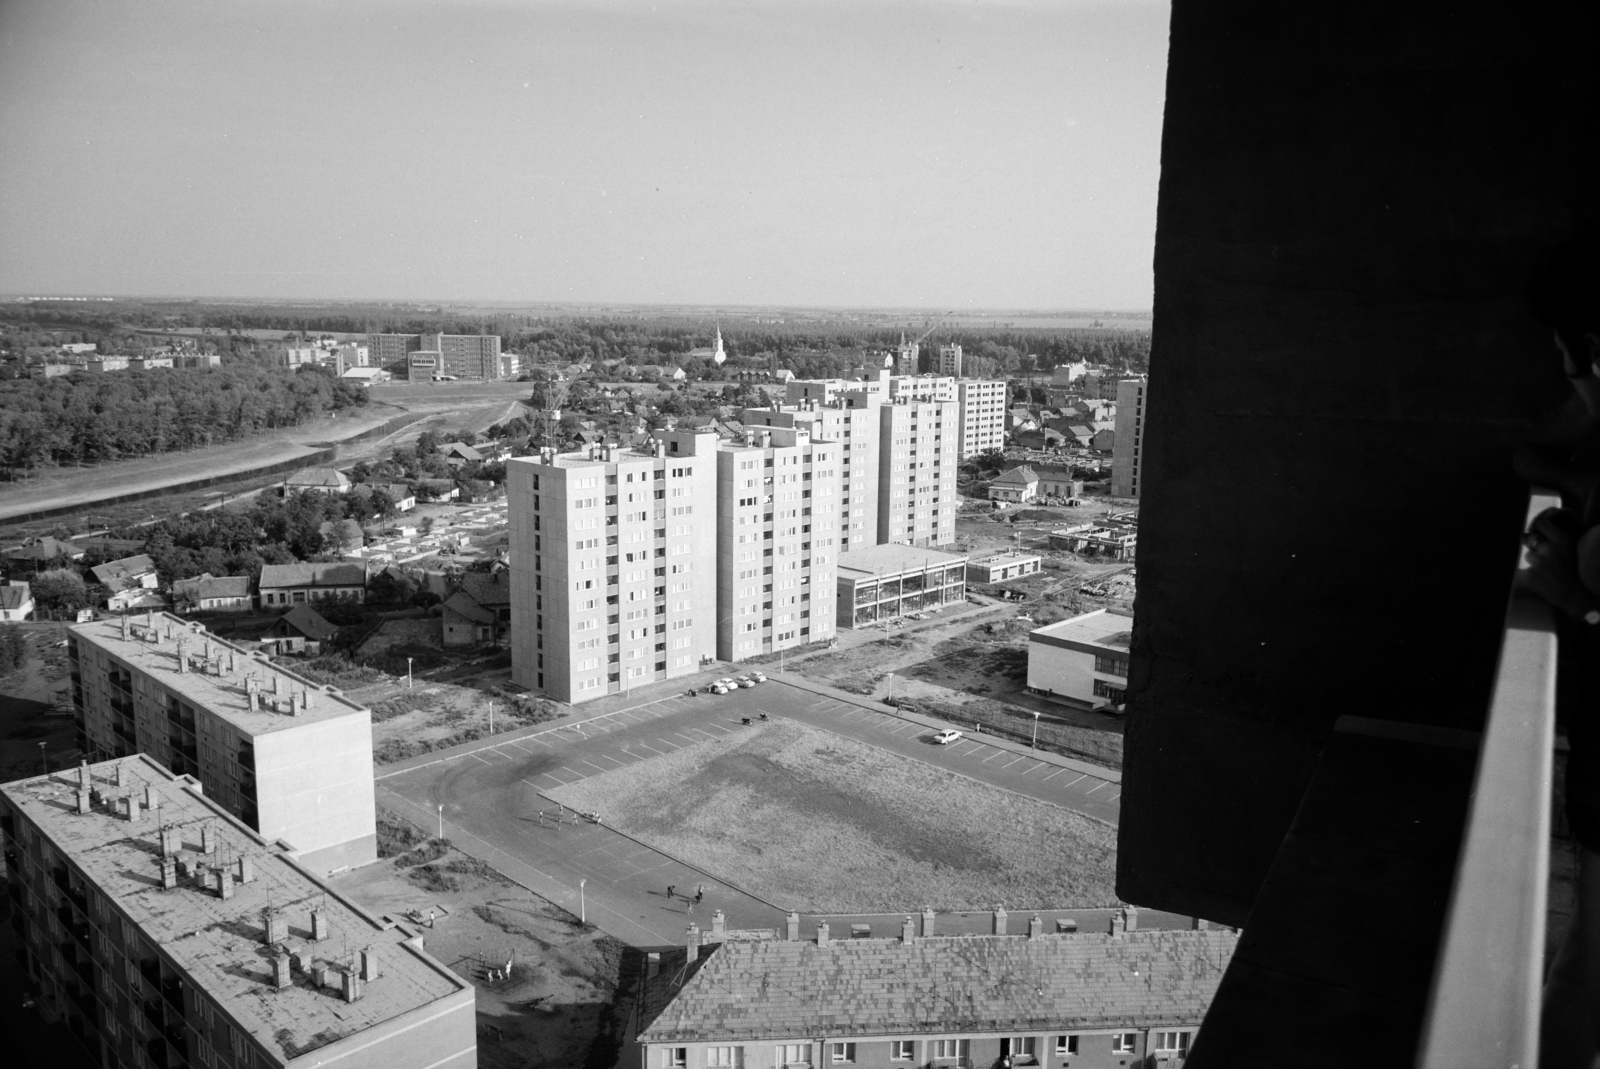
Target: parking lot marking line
(685, 738)
(997, 753)
(1082, 777)
(1116, 796)
(669, 745)
(591, 764)
(1096, 787)
(619, 764)
(519, 746)
(574, 771)
(1008, 764)
(653, 751)
(1053, 775)
(1032, 768)
(475, 757)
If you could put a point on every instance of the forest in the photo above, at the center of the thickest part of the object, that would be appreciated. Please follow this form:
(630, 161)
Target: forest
(87, 418)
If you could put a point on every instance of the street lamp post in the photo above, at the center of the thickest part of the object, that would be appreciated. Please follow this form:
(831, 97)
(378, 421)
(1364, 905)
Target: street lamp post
(1035, 743)
(441, 822)
(491, 718)
(408, 673)
(44, 758)
(583, 906)
(890, 694)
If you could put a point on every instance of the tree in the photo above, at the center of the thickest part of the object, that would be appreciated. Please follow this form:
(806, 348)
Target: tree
(427, 444)
(60, 589)
(14, 651)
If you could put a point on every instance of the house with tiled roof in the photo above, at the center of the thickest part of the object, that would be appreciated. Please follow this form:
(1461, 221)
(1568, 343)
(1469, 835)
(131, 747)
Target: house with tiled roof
(1017, 485)
(300, 630)
(282, 585)
(320, 480)
(1056, 1001)
(43, 552)
(16, 601)
(209, 593)
(130, 583)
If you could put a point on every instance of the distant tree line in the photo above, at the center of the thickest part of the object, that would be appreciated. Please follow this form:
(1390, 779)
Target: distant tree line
(87, 418)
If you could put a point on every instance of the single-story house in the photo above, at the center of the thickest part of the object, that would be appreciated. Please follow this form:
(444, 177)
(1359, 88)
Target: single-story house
(465, 622)
(1017, 485)
(404, 500)
(439, 489)
(460, 453)
(130, 583)
(16, 601)
(1056, 481)
(43, 552)
(209, 593)
(299, 584)
(320, 480)
(1043, 439)
(300, 630)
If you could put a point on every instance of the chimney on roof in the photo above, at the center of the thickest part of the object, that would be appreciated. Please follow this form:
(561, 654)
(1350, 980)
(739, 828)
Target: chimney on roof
(301, 959)
(255, 700)
(208, 839)
(907, 930)
(305, 702)
(183, 657)
(124, 628)
(792, 928)
(171, 841)
(1035, 926)
(368, 960)
(83, 801)
(349, 985)
(661, 448)
(83, 775)
(122, 776)
(822, 933)
(1118, 923)
(277, 684)
(247, 868)
(135, 811)
(169, 873)
(230, 662)
(719, 926)
(320, 973)
(149, 618)
(274, 927)
(152, 797)
(692, 950)
(225, 883)
(1198, 924)
(999, 920)
(1130, 917)
(280, 971)
(927, 921)
(319, 924)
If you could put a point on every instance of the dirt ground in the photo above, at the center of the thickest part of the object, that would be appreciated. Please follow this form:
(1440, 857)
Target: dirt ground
(812, 821)
(556, 1008)
(35, 707)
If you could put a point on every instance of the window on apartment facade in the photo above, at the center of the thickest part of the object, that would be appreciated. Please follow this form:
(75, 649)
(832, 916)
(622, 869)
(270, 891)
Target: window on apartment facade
(1172, 1042)
(844, 1052)
(1023, 1050)
(674, 1057)
(1111, 666)
(950, 1048)
(794, 1054)
(730, 1057)
(902, 1050)
(1066, 1044)
(1124, 1042)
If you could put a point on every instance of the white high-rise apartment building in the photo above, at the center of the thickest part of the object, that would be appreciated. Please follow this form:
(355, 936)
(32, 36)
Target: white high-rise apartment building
(1127, 449)
(982, 412)
(917, 472)
(949, 362)
(777, 540)
(854, 429)
(613, 565)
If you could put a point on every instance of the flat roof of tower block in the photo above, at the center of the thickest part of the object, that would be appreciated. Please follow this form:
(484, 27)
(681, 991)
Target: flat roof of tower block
(218, 673)
(217, 942)
(893, 558)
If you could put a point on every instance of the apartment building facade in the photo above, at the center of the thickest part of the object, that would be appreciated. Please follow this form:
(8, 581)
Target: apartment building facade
(917, 472)
(982, 413)
(1074, 1001)
(464, 356)
(285, 756)
(854, 429)
(778, 513)
(1127, 450)
(613, 565)
(166, 934)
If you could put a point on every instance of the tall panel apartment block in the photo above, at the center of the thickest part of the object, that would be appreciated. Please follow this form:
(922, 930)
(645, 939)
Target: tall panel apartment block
(289, 757)
(982, 415)
(917, 472)
(613, 565)
(165, 933)
(854, 428)
(1127, 448)
(465, 356)
(777, 518)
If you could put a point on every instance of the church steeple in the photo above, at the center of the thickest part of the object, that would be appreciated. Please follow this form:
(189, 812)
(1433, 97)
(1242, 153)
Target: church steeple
(717, 355)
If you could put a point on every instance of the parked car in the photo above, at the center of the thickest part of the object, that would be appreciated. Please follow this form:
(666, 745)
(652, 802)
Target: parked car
(717, 688)
(726, 682)
(746, 682)
(945, 738)
(758, 677)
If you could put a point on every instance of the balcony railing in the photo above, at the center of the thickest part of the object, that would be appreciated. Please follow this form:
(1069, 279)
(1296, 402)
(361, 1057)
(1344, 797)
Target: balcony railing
(1483, 1009)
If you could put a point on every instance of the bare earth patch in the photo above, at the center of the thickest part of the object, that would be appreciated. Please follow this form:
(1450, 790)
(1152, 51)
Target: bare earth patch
(811, 821)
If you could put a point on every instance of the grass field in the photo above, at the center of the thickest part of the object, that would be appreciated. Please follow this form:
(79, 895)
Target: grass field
(815, 822)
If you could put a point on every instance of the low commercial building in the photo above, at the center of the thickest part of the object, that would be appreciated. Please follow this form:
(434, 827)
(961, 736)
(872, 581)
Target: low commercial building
(1071, 1001)
(288, 757)
(1003, 566)
(883, 582)
(1120, 543)
(1083, 659)
(163, 932)
(282, 585)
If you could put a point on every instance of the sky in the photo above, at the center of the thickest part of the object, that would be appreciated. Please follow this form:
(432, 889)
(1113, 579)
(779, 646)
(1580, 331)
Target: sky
(942, 154)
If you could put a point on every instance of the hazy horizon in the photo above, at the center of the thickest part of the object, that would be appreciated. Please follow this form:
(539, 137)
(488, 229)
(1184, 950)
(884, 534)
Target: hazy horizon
(893, 157)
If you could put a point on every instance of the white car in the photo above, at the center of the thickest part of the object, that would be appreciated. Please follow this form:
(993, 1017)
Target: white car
(731, 684)
(758, 677)
(746, 682)
(945, 738)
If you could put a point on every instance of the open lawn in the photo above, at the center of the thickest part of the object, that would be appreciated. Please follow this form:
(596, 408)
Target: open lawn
(811, 821)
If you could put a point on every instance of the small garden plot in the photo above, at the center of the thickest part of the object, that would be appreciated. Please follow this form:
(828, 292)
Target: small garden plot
(815, 822)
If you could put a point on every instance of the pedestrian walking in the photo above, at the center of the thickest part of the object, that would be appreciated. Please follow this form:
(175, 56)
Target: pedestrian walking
(698, 895)
(430, 918)
(671, 887)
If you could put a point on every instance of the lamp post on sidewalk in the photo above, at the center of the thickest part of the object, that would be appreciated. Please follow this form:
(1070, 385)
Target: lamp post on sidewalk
(1035, 743)
(890, 694)
(408, 673)
(583, 906)
(441, 822)
(491, 717)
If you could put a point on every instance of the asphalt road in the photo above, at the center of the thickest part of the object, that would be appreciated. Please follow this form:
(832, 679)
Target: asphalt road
(494, 808)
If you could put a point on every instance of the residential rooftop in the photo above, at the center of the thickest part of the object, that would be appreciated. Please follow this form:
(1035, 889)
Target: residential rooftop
(940, 984)
(218, 672)
(892, 558)
(1099, 628)
(218, 942)
(1002, 559)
